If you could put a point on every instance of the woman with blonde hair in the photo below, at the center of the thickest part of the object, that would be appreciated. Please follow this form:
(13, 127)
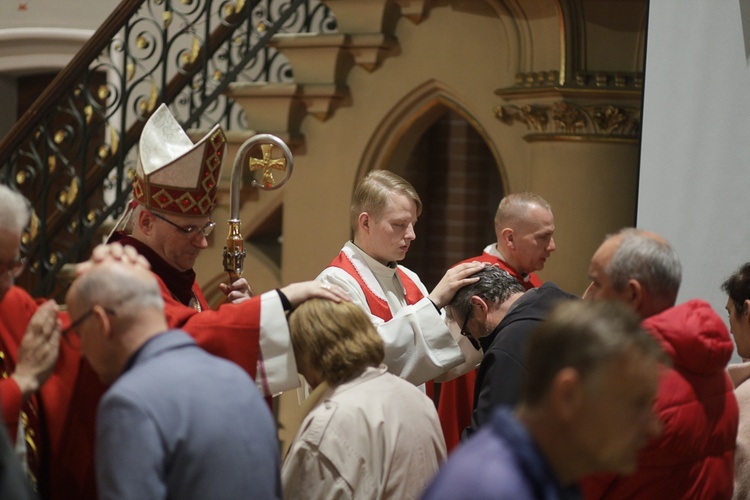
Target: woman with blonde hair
(371, 434)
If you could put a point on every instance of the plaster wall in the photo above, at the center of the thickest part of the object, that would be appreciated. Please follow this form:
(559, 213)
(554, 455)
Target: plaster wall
(61, 14)
(462, 53)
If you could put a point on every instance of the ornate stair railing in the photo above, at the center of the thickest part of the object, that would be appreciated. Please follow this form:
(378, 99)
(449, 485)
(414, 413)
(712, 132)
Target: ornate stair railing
(72, 152)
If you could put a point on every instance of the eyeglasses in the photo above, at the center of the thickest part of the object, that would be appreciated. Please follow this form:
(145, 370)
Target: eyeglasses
(190, 230)
(83, 317)
(13, 268)
(466, 333)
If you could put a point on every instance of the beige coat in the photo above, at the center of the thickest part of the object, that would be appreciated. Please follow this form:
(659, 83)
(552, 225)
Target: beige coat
(375, 437)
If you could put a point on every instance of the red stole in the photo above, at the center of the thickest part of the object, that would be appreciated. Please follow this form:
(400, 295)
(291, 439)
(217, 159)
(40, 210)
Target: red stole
(377, 304)
(531, 281)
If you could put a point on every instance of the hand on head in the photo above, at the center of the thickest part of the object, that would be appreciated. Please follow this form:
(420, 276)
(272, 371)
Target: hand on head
(297, 293)
(453, 280)
(113, 252)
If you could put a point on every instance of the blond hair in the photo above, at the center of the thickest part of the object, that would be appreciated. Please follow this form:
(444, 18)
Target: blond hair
(372, 195)
(337, 340)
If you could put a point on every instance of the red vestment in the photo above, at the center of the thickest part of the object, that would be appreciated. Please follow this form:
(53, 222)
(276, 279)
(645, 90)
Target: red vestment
(378, 306)
(457, 395)
(52, 400)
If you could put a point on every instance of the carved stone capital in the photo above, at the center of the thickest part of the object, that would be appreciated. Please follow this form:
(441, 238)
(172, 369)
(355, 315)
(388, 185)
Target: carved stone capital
(564, 119)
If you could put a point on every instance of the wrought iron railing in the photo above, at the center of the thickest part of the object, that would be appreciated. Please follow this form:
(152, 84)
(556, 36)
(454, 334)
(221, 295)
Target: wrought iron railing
(72, 153)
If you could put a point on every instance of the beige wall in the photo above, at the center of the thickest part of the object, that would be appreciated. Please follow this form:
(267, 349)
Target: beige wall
(459, 58)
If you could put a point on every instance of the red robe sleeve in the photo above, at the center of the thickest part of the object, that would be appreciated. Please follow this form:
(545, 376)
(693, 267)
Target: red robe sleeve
(231, 332)
(16, 309)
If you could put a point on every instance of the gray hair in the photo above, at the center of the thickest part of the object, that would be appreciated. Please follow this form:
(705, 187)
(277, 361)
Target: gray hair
(649, 260)
(586, 336)
(14, 210)
(115, 286)
(495, 286)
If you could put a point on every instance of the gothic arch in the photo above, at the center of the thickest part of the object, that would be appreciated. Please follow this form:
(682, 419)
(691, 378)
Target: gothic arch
(401, 128)
(432, 140)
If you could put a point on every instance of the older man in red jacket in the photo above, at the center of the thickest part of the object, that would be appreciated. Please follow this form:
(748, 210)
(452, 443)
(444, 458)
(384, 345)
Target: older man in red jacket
(694, 456)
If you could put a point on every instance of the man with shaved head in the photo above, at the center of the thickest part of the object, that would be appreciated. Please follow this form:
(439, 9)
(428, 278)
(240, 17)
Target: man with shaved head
(525, 227)
(176, 422)
(694, 457)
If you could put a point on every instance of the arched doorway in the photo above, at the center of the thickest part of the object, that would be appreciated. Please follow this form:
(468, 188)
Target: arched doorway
(459, 182)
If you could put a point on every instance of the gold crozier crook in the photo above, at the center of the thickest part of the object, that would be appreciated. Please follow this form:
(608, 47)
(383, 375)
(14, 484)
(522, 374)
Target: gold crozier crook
(234, 252)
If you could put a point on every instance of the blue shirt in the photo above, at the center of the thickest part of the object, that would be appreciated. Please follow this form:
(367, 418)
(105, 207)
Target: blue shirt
(181, 423)
(501, 461)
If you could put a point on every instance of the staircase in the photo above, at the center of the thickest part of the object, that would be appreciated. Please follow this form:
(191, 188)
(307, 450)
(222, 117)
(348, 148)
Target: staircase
(72, 154)
(259, 66)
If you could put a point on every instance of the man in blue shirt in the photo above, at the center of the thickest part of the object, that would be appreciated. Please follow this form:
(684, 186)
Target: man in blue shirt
(586, 407)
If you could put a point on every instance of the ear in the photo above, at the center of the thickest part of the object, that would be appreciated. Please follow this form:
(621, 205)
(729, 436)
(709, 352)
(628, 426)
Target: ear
(364, 221)
(566, 393)
(484, 310)
(145, 221)
(508, 238)
(634, 294)
(746, 310)
(477, 301)
(104, 325)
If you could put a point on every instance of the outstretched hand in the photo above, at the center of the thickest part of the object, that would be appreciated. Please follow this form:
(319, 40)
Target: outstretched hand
(453, 280)
(237, 292)
(297, 293)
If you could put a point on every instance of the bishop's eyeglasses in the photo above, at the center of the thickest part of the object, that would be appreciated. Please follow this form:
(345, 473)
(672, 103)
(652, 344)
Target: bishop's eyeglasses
(190, 230)
(66, 332)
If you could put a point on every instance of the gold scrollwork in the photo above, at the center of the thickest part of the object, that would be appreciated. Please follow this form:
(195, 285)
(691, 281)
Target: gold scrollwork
(568, 118)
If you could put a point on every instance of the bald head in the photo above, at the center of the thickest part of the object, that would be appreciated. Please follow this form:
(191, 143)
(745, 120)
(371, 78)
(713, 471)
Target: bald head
(14, 210)
(118, 307)
(637, 267)
(117, 284)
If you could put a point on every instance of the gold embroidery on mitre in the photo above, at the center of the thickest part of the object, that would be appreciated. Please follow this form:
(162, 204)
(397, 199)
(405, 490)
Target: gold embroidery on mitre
(197, 188)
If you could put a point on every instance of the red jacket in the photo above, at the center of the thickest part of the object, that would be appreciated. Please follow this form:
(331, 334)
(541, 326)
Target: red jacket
(694, 456)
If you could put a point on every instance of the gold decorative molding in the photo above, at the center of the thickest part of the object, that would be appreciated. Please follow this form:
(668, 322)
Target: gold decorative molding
(567, 119)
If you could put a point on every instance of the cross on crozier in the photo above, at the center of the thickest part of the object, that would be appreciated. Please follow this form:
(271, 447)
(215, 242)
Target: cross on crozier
(267, 164)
